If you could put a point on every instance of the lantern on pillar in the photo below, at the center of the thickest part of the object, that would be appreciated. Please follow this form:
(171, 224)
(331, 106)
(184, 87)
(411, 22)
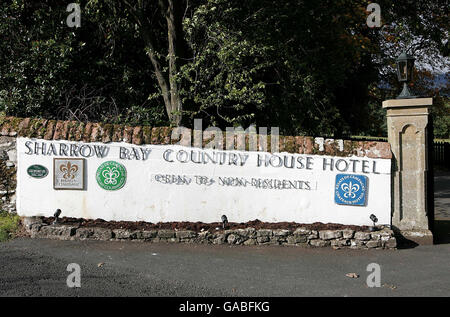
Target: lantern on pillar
(405, 64)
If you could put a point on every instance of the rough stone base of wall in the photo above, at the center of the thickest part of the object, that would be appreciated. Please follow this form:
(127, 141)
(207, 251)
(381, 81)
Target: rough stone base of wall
(337, 239)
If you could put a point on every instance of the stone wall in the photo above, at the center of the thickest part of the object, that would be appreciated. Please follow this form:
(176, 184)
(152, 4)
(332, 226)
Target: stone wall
(98, 132)
(12, 127)
(8, 161)
(338, 239)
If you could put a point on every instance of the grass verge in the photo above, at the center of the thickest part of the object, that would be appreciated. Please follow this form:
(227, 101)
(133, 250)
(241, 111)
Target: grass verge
(9, 224)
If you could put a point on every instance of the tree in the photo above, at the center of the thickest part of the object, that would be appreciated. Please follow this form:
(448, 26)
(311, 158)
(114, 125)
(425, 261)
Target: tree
(421, 28)
(309, 67)
(48, 69)
(34, 57)
(167, 82)
(149, 18)
(285, 63)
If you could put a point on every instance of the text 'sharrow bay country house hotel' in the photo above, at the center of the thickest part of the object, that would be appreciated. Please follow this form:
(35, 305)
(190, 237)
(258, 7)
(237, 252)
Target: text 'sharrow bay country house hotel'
(141, 174)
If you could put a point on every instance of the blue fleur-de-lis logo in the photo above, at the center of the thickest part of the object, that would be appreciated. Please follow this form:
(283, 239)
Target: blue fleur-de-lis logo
(350, 189)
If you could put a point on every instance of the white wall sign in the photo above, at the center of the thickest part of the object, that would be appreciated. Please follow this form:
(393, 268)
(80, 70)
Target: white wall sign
(175, 183)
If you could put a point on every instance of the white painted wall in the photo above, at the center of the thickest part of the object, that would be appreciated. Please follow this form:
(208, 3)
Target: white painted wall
(144, 199)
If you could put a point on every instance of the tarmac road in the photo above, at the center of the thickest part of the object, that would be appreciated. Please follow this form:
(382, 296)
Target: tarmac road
(442, 196)
(37, 267)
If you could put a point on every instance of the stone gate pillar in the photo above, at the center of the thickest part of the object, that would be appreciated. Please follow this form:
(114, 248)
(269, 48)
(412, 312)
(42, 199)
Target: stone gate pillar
(408, 123)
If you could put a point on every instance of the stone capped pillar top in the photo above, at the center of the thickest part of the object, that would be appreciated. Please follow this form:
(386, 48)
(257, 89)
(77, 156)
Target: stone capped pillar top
(407, 103)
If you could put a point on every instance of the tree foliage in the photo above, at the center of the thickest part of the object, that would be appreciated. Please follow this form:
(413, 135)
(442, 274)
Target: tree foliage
(309, 67)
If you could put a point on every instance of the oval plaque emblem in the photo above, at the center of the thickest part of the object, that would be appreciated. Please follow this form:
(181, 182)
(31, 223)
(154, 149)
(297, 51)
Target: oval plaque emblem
(111, 175)
(37, 171)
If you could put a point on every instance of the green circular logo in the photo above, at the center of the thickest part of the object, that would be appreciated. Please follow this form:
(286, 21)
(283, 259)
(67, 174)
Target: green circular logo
(111, 175)
(37, 171)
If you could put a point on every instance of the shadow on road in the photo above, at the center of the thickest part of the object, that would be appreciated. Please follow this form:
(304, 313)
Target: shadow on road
(404, 243)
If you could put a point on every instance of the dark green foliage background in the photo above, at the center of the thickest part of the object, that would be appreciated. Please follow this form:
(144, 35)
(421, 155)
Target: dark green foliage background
(309, 67)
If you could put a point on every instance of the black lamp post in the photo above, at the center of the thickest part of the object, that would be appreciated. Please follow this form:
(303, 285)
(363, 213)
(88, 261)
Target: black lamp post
(405, 64)
(224, 221)
(375, 220)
